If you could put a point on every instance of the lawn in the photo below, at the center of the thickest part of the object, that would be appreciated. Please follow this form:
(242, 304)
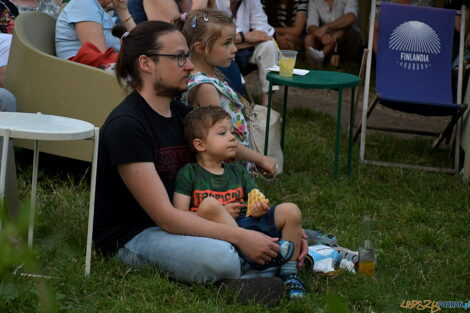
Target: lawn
(420, 230)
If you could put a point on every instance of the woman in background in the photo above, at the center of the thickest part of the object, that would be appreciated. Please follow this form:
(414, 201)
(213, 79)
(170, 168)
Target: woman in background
(84, 21)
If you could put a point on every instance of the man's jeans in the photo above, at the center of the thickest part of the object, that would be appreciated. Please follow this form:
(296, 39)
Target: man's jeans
(187, 258)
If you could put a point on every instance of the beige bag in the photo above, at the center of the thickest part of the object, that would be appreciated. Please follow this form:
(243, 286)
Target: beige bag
(257, 126)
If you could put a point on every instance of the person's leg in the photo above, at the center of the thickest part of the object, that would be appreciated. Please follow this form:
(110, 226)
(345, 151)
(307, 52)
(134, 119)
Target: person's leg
(213, 210)
(288, 219)
(327, 50)
(309, 41)
(350, 45)
(314, 50)
(294, 42)
(7, 101)
(8, 104)
(185, 258)
(264, 56)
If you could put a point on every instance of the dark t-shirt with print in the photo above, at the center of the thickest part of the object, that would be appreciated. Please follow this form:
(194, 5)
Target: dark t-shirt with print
(134, 132)
(231, 186)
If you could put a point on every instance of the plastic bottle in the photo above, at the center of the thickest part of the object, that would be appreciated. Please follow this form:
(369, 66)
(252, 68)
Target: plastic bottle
(367, 260)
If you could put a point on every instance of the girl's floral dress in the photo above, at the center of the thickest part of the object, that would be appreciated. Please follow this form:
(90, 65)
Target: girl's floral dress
(229, 100)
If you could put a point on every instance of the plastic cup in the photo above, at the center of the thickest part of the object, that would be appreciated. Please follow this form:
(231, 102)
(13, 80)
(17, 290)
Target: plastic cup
(287, 62)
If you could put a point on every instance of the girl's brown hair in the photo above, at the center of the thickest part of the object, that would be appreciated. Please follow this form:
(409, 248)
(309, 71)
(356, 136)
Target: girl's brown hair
(202, 25)
(142, 40)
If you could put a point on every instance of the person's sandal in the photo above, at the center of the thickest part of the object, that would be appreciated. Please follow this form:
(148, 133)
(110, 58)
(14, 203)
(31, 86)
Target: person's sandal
(284, 255)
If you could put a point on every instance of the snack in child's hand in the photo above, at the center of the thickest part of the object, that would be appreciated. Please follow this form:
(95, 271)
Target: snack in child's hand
(254, 196)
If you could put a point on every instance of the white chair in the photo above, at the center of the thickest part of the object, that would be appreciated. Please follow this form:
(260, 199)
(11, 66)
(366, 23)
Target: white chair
(38, 127)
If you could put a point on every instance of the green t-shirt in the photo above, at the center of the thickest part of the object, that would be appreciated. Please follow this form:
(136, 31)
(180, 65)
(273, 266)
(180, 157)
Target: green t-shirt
(231, 186)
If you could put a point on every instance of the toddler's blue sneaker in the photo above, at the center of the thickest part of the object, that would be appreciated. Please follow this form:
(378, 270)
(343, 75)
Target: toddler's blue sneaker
(283, 256)
(294, 286)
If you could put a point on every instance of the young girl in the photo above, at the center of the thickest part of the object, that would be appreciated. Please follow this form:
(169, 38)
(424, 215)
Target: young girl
(211, 39)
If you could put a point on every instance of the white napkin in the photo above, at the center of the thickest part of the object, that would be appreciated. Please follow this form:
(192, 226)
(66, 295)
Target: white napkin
(297, 71)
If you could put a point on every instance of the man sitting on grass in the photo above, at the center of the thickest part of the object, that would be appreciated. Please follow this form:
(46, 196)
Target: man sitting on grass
(141, 149)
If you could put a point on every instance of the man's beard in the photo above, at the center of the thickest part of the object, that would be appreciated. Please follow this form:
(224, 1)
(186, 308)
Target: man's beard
(163, 90)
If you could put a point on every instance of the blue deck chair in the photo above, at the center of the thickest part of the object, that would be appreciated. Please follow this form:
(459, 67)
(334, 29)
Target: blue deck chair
(414, 70)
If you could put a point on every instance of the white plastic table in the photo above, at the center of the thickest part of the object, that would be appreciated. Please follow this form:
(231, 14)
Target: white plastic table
(47, 127)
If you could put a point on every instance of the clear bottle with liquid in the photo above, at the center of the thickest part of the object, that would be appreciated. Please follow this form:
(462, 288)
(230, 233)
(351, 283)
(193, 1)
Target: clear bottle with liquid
(367, 262)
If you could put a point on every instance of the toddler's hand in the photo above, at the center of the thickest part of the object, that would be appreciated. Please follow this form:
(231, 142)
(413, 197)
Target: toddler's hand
(259, 209)
(233, 209)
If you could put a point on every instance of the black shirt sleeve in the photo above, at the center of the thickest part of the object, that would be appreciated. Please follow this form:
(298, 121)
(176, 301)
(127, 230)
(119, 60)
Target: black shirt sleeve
(127, 141)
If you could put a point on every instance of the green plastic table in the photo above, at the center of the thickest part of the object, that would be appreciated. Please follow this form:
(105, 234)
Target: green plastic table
(317, 80)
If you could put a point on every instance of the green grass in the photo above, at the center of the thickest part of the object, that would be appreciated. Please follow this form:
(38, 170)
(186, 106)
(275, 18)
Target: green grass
(420, 231)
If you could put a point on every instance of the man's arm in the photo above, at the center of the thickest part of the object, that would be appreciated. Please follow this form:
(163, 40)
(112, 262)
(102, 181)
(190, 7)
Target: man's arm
(258, 19)
(297, 28)
(144, 183)
(313, 19)
(181, 202)
(344, 21)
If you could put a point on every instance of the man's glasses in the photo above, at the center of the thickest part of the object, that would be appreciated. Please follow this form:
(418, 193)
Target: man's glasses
(180, 57)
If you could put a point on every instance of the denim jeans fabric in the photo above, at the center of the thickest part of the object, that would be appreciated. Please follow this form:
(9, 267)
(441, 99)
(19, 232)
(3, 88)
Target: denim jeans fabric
(188, 258)
(264, 224)
(185, 258)
(136, 9)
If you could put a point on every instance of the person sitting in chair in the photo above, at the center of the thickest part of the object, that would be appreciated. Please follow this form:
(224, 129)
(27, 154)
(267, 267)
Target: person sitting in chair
(330, 22)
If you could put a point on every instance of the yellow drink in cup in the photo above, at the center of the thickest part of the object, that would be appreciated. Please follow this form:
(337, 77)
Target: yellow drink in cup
(287, 62)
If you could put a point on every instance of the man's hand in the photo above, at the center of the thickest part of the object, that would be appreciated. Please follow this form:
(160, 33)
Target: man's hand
(320, 31)
(259, 208)
(233, 209)
(327, 40)
(303, 250)
(256, 36)
(257, 246)
(283, 43)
